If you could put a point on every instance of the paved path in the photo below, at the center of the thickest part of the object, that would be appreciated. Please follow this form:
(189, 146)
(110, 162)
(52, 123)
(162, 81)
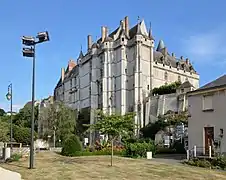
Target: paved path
(170, 158)
(9, 175)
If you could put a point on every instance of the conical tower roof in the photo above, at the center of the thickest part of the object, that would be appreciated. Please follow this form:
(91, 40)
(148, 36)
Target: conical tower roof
(160, 45)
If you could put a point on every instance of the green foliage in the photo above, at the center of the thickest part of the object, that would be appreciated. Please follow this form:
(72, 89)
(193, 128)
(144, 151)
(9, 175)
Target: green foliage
(23, 118)
(14, 157)
(151, 129)
(139, 149)
(218, 162)
(2, 112)
(171, 119)
(166, 89)
(82, 122)
(114, 125)
(59, 118)
(4, 131)
(179, 147)
(22, 134)
(199, 163)
(71, 146)
(163, 150)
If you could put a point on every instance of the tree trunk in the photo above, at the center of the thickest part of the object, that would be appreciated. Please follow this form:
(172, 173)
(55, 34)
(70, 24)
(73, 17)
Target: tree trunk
(112, 150)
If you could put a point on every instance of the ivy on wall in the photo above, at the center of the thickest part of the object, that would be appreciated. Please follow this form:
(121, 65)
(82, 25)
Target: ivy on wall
(166, 89)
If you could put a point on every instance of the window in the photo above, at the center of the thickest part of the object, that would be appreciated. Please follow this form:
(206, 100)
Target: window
(101, 73)
(179, 78)
(207, 103)
(122, 39)
(166, 76)
(148, 87)
(71, 83)
(182, 90)
(126, 71)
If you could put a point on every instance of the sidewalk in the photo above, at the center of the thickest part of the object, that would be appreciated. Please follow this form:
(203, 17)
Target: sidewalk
(9, 175)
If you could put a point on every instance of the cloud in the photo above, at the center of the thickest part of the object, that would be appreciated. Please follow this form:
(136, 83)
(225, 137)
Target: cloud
(207, 46)
(6, 107)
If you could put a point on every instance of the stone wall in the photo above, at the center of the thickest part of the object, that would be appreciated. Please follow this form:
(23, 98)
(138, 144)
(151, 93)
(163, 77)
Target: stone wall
(161, 104)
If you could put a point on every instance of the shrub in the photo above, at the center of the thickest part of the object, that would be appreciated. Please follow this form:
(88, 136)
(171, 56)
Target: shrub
(219, 162)
(199, 163)
(139, 149)
(14, 157)
(22, 134)
(179, 147)
(71, 146)
(163, 150)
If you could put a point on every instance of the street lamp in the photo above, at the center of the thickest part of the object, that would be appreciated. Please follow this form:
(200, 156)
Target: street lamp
(30, 52)
(9, 97)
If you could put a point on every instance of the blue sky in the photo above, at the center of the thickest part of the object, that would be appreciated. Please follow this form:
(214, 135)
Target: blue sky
(193, 29)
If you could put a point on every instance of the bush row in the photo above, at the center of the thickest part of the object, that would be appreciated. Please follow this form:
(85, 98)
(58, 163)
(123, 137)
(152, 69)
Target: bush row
(219, 162)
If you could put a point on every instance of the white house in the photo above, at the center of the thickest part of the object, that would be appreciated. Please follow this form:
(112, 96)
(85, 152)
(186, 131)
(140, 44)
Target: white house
(207, 121)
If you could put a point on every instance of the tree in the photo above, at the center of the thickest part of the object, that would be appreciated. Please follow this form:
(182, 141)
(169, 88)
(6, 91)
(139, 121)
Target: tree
(22, 134)
(81, 122)
(4, 131)
(23, 118)
(2, 112)
(59, 119)
(113, 125)
(169, 119)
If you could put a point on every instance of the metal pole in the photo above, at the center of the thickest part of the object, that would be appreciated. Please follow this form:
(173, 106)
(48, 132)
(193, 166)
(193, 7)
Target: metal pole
(54, 138)
(11, 116)
(32, 114)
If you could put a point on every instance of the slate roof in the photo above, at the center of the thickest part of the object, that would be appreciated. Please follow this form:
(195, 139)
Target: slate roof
(221, 81)
(174, 62)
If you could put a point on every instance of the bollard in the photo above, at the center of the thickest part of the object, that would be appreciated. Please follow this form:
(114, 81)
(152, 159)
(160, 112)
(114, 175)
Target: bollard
(194, 151)
(210, 152)
(187, 154)
(149, 155)
(6, 153)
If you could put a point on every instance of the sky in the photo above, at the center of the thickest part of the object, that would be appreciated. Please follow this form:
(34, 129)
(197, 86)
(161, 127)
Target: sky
(193, 29)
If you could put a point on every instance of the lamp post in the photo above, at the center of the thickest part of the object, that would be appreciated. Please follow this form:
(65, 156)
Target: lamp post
(9, 97)
(29, 51)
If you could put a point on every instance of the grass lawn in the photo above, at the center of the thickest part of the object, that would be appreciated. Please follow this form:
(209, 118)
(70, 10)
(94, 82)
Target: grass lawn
(52, 166)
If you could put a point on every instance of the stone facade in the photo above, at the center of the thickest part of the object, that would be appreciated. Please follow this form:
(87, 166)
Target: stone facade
(118, 72)
(161, 104)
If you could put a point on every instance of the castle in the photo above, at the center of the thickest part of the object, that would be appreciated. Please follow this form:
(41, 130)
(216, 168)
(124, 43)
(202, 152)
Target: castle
(118, 72)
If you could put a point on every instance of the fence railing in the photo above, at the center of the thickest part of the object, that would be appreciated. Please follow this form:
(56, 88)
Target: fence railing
(197, 151)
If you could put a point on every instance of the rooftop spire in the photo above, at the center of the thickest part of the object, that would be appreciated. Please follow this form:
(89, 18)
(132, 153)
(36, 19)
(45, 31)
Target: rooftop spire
(81, 54)
(150, 33)
(160, 45)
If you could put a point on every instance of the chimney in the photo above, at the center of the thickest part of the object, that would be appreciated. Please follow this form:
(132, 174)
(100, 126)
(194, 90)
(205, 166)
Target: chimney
(62, 74)
(187, 61)
(89, 41)
(127, 25)
(122, 24)
(103, 33)
(71, 65)
(106, 32)
(173, 55)
(182, 58)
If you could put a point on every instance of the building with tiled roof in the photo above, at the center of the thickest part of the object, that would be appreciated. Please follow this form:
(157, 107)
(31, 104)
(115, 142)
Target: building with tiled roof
(119, 70)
